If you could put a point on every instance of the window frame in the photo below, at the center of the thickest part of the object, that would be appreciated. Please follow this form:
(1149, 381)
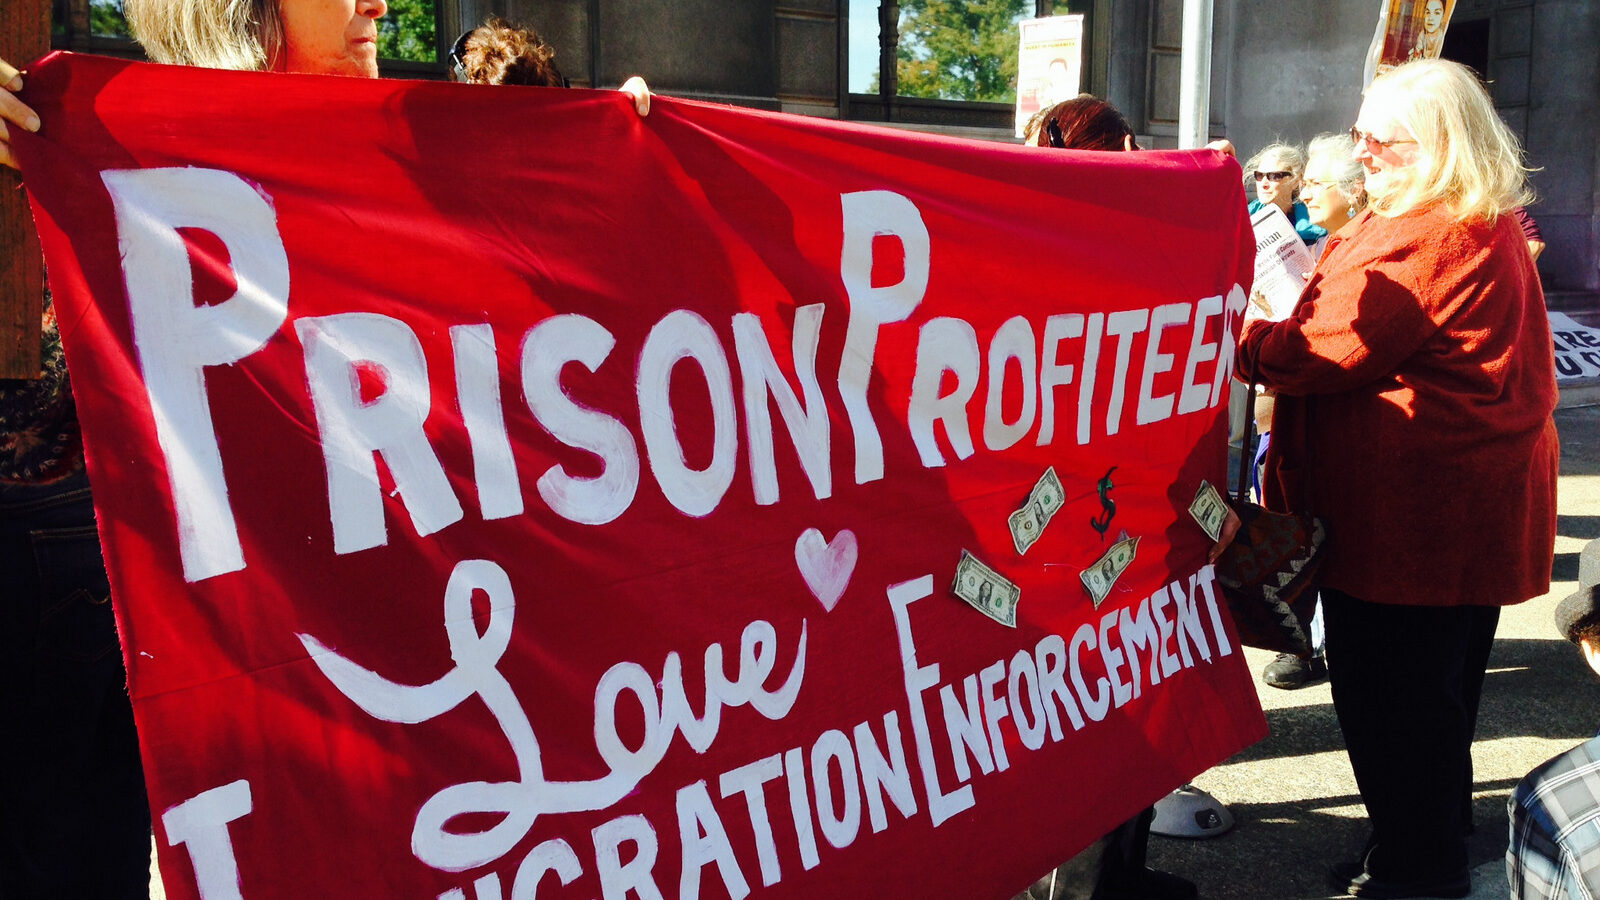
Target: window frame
(957, 115)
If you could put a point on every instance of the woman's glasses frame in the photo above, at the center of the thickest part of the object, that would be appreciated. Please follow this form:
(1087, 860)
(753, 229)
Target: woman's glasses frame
(1365, 139)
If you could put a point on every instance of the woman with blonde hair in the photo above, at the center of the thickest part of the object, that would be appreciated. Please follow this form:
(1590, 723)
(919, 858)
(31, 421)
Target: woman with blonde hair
(74, 821)
(1415, 390)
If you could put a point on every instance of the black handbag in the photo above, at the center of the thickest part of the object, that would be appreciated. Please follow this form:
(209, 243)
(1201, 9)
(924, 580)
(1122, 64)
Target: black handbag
(1268, 573)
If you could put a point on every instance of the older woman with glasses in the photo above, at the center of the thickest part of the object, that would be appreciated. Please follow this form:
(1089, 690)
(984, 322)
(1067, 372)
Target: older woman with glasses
(1276, 171)
(1415, 389)
(1334, 188)
(1333, 191)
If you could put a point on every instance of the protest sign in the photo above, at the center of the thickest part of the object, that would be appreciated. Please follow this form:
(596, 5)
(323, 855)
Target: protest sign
(1577, 349)
(1282, 264)
(502, 491)
(1049, 64)
(1407, 30)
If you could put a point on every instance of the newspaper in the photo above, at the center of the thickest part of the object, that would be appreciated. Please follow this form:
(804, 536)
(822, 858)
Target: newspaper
(1282, 264)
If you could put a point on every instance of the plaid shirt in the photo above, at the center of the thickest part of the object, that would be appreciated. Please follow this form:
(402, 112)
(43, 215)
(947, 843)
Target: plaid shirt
(1555, 828)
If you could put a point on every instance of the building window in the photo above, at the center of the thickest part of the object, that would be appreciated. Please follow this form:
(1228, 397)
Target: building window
(106, 19)
(410, 31)
(937, 62)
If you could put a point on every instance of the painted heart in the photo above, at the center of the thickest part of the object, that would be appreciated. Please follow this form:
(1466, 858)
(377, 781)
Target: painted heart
(826, 565)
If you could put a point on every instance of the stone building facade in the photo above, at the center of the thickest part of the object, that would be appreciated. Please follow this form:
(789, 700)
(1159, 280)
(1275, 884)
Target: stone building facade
(1281, 69)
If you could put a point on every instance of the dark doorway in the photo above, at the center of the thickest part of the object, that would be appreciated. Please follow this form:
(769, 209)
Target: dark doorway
(1467, 42)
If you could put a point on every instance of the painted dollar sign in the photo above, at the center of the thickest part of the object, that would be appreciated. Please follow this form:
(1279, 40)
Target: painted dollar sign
(1108, 506)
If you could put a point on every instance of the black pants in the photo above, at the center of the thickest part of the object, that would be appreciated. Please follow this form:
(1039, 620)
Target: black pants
(1406, 683)
(73, 819)
(1111, 866)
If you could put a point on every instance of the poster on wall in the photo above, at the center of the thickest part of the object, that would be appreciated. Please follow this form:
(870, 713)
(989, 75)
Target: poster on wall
(766, 506)
(1407, 30)
(1049, 64)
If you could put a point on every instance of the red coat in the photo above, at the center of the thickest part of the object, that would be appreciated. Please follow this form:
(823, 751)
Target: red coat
(1415, 389)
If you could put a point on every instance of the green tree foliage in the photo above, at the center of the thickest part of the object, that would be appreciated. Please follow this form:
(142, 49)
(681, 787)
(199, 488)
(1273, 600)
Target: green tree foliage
(960, 49)
(408, 31)
(106, 19)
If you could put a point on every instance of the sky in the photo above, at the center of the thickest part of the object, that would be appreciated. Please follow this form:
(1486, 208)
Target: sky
(863, 44)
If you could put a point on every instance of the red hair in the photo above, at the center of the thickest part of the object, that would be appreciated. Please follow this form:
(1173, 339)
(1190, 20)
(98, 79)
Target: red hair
(1083, 123)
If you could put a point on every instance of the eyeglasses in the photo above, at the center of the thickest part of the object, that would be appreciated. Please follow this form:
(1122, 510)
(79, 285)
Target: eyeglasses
(457, 51)
(1311, 184)
(1274, 177)
(1365, 138)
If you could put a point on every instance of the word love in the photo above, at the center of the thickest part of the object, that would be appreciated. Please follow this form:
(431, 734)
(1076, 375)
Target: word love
(753, 823)
(345, 353)
(519, 803)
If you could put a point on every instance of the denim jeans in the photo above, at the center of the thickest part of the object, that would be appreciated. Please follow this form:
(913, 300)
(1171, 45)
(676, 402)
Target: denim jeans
(74, 821)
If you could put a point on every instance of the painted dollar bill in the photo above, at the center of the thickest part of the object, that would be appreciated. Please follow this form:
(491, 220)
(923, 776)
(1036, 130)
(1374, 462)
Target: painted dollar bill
(1099, 577)
(986, 590)
(1025, 528)
(1047, 494)
(1044, 501)
(1209, 509)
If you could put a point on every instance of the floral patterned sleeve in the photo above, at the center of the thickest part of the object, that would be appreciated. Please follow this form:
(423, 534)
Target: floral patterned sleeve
(39, 437)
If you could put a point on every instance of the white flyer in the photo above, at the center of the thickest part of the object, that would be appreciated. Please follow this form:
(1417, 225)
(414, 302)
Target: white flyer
(1577, 349)
(1282, 263)
(1049, 64)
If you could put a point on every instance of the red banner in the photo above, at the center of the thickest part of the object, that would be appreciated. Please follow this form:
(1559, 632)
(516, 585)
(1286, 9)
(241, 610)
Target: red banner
(503, 492)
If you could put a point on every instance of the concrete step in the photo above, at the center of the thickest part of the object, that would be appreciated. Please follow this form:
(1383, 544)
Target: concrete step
(1579, 392)
(1582, 306)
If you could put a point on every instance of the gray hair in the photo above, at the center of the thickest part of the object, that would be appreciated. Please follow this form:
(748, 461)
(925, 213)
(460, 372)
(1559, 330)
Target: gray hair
(1337, 151)
(214, 34)
(1293, 159)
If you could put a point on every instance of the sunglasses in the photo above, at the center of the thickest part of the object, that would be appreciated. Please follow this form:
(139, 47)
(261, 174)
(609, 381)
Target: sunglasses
(1274, 177)
(1365, 138)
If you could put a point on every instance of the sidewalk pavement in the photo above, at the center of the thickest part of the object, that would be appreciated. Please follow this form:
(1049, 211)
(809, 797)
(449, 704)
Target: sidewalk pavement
(1293, 796)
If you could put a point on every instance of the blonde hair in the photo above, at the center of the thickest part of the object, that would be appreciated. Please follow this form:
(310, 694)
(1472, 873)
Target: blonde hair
(1470, 160)
(214, 34)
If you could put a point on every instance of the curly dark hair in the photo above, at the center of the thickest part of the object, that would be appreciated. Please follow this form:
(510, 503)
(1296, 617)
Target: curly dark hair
(498, 52)
(1083, 123)
(1586, 629)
